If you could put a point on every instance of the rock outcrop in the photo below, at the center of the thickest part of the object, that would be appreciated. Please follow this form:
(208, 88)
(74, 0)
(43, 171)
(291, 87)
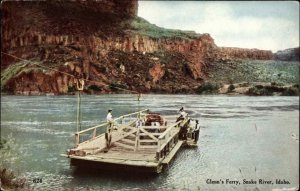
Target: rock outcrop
(291, 54)
(93, 39)
(227, 53)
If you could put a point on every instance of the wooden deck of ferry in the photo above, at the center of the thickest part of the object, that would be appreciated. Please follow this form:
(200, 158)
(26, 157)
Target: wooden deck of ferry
(145, 148)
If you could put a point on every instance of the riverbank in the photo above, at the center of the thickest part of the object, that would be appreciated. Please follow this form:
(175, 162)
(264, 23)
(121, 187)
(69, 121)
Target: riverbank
(251, 89)
(243, 77)
(9, 180)
(208, 88)
(227, 89)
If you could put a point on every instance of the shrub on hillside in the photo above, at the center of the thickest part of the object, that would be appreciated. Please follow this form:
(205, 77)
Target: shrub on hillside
(231, 88)
(7, 177)
(291, 91)
(94, 88)
(208, 88)
(116, 86)
(259, 91)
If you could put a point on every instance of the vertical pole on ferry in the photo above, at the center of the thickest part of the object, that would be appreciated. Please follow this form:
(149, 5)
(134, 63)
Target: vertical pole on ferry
(80, 86)
(78, 111)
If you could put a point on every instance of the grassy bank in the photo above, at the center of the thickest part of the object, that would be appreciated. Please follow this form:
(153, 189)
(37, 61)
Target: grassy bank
(252, 77)
(280, 72)
(9, 179)
(143, 27)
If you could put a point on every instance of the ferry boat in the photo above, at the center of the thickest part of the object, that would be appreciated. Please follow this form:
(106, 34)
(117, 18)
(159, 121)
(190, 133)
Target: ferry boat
(143, 141)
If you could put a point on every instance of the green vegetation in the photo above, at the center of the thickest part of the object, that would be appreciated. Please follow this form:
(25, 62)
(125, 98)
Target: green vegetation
(143, 27)
(71, 89)
(267, 90)
(8, 178)
(277, 72)
(208, 88)
(12, 70)
(231, 88)
(276, 84)
(94, 88)
(291, 91)
(261, 91)
(117, 86)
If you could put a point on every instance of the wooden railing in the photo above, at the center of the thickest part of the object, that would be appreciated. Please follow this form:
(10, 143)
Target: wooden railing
(160, 138)
(131, 115)
(93, 130)
(167, 140)
(145, 137)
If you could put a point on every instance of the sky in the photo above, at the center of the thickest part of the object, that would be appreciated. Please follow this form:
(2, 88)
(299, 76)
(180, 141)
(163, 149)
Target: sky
(266, 25)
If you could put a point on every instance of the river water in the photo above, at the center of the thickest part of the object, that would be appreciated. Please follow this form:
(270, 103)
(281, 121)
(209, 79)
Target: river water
(241, 138)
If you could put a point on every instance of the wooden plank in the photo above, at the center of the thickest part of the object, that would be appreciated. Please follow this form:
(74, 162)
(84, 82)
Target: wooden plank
(153, 127)
(166, 142)
(128, 141)
(121, 151)
(137, 140)
(124, 158)
(89, 148)
(168, 129)
(131, 136)
(124, 145)
(125, 135)
(124, 126)
(118, 161)
(91, 140)
(130, 114)
(170, 156)
(148, 146)
(147, 133)
(91, 128)
(130, 154)
(147, 141)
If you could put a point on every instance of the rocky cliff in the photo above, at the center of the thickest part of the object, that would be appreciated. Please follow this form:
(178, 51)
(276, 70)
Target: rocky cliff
(105, 42)
(291, 54)
(228, 53)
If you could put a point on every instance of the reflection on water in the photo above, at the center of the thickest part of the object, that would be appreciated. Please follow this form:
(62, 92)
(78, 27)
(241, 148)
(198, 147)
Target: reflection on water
(241, 138)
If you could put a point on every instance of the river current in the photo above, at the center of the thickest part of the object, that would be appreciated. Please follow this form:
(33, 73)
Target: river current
(241, 139)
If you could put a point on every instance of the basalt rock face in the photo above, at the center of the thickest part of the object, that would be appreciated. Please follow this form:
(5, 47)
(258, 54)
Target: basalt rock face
(95, 39)
(228, 53)
(291, 54)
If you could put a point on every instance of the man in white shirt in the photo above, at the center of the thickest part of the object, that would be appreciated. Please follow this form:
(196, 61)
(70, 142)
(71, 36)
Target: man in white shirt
(183, 115)
(183, 129)
(109, 117)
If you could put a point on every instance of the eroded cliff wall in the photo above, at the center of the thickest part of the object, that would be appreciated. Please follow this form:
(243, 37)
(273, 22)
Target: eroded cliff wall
(93, 39)
(226, 53)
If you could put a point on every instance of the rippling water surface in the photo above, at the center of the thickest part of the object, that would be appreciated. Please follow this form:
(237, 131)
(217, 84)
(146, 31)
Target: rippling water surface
(241, 138)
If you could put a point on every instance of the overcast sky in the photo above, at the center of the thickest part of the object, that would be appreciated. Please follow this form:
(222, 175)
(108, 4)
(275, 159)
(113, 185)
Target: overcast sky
(268, 25)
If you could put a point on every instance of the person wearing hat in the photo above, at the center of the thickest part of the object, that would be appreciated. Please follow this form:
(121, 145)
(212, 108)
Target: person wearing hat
(183, 115)
(183, 129)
